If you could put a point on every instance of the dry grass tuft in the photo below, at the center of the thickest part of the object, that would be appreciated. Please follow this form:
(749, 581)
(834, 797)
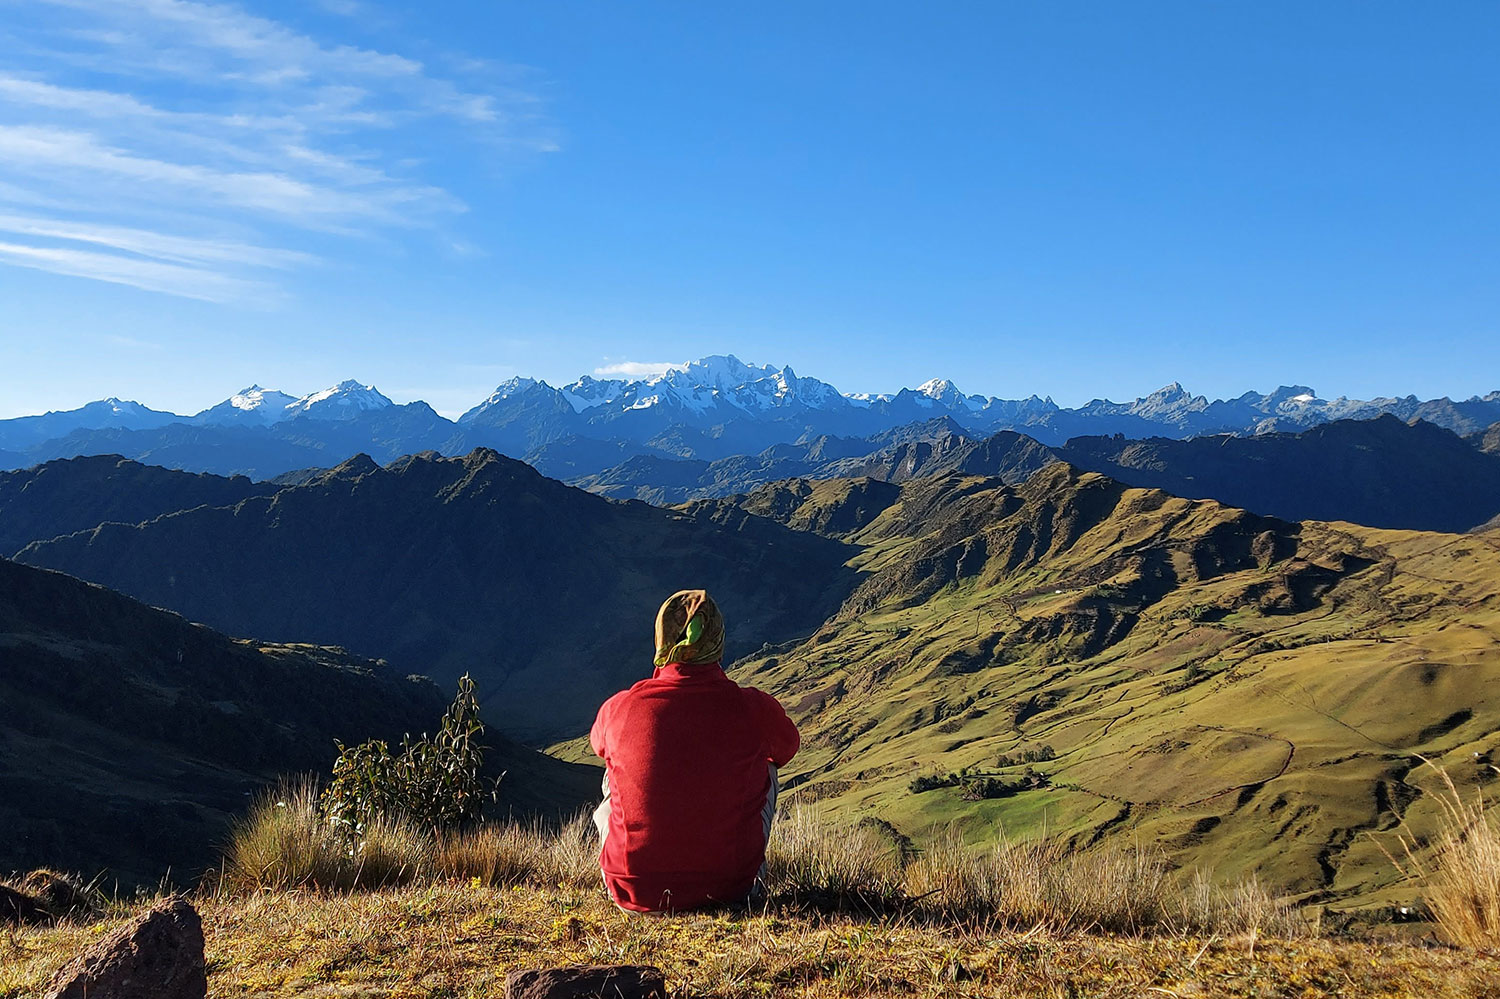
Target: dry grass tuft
(1461, 875)
(812, 863)
(493, 854)
(1042, 883)
(286, 842)
(515, 854)
(1244, 907)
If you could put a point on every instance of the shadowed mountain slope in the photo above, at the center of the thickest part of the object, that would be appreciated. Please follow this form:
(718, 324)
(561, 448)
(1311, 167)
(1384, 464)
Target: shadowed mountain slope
(1246, 692)
(77, 494)
(1489, 441)
(1380, 473)
(928, 448)
(129, 737)
(544, 593)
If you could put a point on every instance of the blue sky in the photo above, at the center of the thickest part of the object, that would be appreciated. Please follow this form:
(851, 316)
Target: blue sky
(1071, 199)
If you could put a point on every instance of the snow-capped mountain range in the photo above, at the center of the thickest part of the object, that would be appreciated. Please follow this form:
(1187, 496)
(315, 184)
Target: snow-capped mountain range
(263, 407)
(707, 409)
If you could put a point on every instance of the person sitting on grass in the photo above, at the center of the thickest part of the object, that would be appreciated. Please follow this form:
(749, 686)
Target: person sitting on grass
(690, 761)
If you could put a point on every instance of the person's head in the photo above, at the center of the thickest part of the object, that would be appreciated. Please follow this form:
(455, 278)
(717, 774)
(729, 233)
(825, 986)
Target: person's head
(689, 629)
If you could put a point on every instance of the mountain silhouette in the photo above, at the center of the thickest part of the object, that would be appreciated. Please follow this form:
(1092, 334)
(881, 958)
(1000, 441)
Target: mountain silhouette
(77, 494)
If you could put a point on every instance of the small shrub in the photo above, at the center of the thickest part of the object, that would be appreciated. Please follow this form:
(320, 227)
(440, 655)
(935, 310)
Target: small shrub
(436, 782)
(983, 788)
(1035, 754)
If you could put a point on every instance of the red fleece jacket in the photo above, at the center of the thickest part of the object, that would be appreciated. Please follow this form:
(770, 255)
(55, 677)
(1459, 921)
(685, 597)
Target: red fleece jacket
(686, 753)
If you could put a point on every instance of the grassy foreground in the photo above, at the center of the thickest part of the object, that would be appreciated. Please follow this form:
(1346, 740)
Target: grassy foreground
(451, 918)
(458, 939)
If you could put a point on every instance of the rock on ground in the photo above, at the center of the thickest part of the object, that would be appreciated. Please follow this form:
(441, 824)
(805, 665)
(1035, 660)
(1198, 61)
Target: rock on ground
(159, 956)
(621, 981)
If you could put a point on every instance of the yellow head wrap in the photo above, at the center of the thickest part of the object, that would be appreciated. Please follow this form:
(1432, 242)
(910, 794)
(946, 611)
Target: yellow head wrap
(689, 629)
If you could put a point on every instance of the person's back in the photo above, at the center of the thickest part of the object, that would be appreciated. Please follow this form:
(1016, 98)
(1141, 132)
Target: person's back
(690, 758)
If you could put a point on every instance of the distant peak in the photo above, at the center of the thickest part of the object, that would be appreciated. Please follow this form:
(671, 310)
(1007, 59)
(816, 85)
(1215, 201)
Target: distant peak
(353, 468)
(516, 383)
(343, 401)
(722, 371)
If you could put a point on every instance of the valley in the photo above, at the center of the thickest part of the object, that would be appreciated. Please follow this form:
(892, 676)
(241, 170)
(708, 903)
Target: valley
(971, 633)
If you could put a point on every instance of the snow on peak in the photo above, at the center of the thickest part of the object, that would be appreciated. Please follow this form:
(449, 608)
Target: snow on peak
(251, 405)
(937, 388)
(120, 413)
(343, 401)
(720, 371)
(943, 392)
(513, 386)
(590, 393)
(118, 407)
(257, 398)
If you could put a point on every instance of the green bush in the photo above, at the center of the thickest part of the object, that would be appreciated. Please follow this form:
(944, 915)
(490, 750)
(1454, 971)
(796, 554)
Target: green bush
(931, 782)
(435, 782)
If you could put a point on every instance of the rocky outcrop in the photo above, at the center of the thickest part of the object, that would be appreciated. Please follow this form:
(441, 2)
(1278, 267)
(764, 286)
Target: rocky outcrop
(625, 981)
(158, 956)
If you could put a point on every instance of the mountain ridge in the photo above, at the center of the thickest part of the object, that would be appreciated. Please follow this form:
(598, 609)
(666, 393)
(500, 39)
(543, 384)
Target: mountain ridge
(709, 409)
(451, 565)
(1380, 472)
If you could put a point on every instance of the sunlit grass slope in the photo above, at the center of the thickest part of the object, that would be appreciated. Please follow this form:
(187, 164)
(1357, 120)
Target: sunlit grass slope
(1250, 694)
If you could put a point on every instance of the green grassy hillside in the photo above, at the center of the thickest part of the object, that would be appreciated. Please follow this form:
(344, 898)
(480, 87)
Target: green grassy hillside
(1249, 693)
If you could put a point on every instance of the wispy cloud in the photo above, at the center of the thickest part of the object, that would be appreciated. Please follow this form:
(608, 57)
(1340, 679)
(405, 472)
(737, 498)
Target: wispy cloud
(636, 369)
(130, 342)
(184, 147)
(151, 275)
